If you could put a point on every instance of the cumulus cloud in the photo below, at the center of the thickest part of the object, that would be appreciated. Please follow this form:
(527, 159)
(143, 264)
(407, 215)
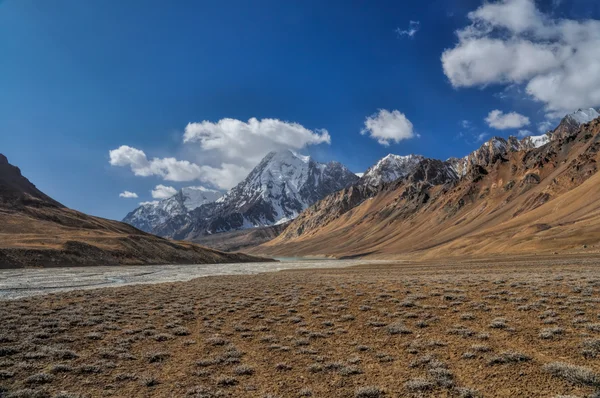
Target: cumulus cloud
(128, 195)
(163, 192)
(387, 127)
(524, 133)
(225, 151)
(151, 203)
(503, 121)
(413, 28)
(237, 140)
(513, 42)
(544, 126)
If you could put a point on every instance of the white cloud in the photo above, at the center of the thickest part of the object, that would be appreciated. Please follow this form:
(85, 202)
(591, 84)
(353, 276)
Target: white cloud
(466, 124)
(128, 195)
(512, 42)
(386, 126)
(163, 192)
(481, 137)
(503, 121)
(524, 133)
(152, 202)
(413, 28)
(236, 140)
(225, 151)
(543, 127)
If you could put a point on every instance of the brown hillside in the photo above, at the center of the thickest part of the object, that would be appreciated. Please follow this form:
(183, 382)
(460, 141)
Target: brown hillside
(35, 230)
(541, 200)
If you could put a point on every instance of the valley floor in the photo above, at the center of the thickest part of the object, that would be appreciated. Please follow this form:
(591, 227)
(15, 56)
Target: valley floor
(509, 327)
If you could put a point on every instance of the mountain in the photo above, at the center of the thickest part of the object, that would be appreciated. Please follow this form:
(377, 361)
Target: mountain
(536, 195)
(390, 168)
(37, 231)
(571, 122)
(279, 188)
(149, 215)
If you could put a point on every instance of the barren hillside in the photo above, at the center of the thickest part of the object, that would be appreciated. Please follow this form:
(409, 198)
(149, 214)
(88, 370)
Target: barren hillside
(544, 199)
(35, 230)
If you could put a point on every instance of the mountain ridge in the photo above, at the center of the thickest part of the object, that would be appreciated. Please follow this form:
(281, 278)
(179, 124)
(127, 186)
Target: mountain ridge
(429, 216)
(279, 188)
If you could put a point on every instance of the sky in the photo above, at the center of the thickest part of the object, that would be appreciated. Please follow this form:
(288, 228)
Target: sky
(106, 104)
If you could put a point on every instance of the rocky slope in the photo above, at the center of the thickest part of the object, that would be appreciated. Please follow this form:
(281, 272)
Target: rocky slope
(149, 215)
(509, 196)
(37, 231)
(279, 188)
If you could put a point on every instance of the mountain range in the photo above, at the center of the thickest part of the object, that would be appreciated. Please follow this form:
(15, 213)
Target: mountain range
(531, 195)
(37, 231)
(276, 191)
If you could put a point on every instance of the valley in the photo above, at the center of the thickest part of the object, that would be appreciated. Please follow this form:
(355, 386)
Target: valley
(490, 327)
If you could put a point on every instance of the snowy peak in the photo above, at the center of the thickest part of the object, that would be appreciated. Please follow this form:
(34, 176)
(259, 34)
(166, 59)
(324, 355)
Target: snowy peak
(281, 186)
(535, 141)
(149, 215)
(194, 197)
(570, 123)
(390, 168)
(583, 116)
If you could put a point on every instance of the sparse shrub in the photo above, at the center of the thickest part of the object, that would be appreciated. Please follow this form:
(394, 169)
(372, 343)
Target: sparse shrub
(283, 367)
(94, 336)
(349, 370)
(243, 370)
(28, 393)
(442, 377)
(226, 381)
(163, 337)
(508, 357)
(573, 373)
(419, 385)
(398, 328)
(498, 323)
(591, 348)
(60, 368)
(157, 356)
(39, 378)
(550, 333)
(150, 381)
(315, 368)
(216, 341)
(368, 392)
(6, 374)
(89, 369)
(125, 377)
(480, 348)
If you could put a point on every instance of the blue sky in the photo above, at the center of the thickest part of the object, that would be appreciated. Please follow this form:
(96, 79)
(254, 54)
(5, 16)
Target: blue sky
(81, 78)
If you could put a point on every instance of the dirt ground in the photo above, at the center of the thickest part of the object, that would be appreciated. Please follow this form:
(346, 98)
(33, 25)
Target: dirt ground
(520, 327)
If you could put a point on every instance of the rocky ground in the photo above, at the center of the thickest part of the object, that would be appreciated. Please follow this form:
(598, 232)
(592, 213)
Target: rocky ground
(527, 327)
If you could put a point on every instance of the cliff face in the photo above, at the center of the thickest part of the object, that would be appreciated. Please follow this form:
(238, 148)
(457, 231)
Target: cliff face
(507, 198)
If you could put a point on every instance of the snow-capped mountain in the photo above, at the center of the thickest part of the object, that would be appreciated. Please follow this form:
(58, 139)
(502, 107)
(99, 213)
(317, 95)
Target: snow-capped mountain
(149, 215)
(535, 141)
(390, 168)
(570, 123)
(583, 116)
(279, 188)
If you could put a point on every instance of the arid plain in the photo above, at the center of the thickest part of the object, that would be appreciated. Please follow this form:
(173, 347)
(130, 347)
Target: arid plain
(492, 327)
